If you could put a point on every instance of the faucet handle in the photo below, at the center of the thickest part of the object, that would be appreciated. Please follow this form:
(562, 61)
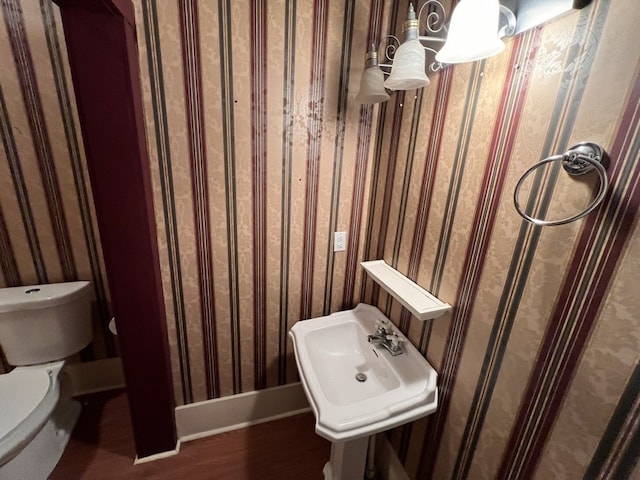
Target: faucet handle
(395, 341)
(381, 327)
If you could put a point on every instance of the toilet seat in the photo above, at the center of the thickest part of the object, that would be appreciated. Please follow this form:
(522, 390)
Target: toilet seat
(28, 396)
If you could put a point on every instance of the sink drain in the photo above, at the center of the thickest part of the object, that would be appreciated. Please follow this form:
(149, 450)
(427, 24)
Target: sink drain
(361, 377)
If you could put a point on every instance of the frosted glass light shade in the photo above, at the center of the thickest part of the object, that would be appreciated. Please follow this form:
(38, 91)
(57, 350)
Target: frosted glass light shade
(473, 32)
(372, 86)
(407, 72)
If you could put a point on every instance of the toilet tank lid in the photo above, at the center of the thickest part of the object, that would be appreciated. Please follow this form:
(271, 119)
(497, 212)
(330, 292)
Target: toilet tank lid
(32, 297)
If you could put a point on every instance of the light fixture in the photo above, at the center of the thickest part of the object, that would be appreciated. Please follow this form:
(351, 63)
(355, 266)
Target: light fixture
(372, 80)
(473, 31)
(407, 72)
(408, 68)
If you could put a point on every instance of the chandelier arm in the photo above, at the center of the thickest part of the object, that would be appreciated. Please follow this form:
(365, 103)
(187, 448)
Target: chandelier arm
(424, 38)
(429, 49)
(385, 65)
(433, 18)
(435, 67)
(390, 49)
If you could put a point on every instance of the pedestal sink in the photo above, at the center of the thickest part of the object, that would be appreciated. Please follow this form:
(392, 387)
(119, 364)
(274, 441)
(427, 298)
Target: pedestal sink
(356, 388)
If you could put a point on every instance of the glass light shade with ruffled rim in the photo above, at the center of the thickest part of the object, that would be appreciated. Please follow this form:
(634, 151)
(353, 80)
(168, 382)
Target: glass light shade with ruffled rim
(372, 87)
(473, 32)
(407, 72)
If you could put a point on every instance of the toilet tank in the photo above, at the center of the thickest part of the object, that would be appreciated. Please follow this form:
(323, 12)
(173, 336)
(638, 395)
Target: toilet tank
(44, 323)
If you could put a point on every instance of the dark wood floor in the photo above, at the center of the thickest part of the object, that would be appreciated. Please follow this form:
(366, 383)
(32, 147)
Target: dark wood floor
(102, 448)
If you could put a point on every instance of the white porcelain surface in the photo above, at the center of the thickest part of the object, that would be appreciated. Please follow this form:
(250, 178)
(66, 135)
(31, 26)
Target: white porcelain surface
(28, 395)
(40, 398)
(21, 391)
(48, 324)
(41, 296)
(330, 351)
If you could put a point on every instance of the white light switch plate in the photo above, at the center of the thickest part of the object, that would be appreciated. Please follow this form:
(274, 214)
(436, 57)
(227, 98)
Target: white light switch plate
(339, 241)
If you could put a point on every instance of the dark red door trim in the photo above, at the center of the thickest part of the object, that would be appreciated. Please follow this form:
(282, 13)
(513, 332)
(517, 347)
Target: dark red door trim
(103, 56)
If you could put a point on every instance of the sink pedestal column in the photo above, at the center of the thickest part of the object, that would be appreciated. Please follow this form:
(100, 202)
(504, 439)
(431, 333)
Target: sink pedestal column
(348, 460)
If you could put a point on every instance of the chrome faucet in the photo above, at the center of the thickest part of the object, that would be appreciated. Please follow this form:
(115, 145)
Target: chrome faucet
(386, 337)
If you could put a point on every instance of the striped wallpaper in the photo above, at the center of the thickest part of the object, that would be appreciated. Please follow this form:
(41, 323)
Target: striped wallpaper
(48, 232)
(538, 361)
(259, 154)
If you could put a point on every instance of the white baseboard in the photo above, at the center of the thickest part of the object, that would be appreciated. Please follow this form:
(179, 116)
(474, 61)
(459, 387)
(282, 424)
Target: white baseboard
(210, 417)
(387, 462)
(96, 376)
(158, 456)
(202, 419)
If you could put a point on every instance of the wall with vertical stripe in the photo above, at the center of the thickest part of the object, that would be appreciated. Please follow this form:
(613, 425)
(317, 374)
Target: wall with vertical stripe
(259, 154)
(48, 232)
(538, 361)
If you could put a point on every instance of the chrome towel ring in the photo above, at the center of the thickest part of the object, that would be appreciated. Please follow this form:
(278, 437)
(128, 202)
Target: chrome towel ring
(578, 160)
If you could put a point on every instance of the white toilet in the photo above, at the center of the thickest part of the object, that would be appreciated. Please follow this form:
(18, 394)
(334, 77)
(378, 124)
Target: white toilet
(39, 326)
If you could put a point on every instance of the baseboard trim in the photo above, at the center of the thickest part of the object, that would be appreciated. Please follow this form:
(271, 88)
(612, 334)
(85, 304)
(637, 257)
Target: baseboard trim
(96, 376)
(158, 456)
(202, 419)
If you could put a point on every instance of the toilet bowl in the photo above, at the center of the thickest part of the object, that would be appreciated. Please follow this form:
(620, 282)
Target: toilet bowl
(39, 327)
(37, 420)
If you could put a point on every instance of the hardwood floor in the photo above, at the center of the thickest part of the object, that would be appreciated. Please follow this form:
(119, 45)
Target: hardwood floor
(102, 447)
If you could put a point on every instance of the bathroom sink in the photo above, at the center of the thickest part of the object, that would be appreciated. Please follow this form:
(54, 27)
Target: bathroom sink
(357, 388)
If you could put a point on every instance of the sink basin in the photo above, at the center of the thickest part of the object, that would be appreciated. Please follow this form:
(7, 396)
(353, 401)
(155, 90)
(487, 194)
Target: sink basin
(389, 390)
